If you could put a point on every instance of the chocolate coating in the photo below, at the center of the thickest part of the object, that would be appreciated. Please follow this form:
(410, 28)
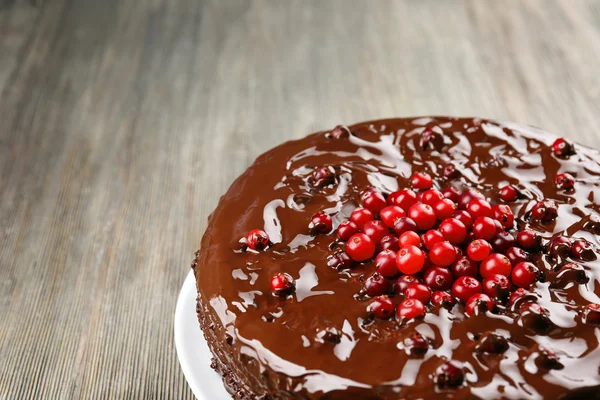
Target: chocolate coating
(272, 347)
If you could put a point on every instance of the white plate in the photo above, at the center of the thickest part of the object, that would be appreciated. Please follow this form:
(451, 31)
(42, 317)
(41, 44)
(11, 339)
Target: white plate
(192, 350)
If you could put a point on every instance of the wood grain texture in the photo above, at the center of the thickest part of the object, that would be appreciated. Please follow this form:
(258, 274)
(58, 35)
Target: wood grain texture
(121, 124)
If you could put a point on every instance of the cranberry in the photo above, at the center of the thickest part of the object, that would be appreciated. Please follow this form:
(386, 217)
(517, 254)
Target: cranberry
(466, 197)
(479, 208)
(535, 318)
(404, 281)
(257, 239)
(444, 209)
(503, 241)
(479, 303)
(450, 172)
(432, 196)
(346, 229)
(360, 216)
(385, 263)
(560, 246)
(418, 291)
(410, 260)
(443, 299)
(340, 260)
(432, 237)
(421, 181)
(409, 309)
(449, 375)
(484, 228)
(423, 215)
(323, 176)
(517, 296)
(410, 238)
(373, 201)
(495, 264)
(528, 239)
(508, 193)
(591, 314)
(504, 215)
(431, 140)
(403, 198)
(442, 254)
(464, 217)
(282, 284)
(564, 182)
(376, 230)
(545, 211)
(320, 223)
(524, 274)
(464, 267)
(583, 250)
(478, 250)
(416, 345)
(568, 274)
(548, 360)
(562, 148)
(453, 230)
(404, 224)
(517, 255)
(381, 307)
(376, 285)
(340, 132)
(492, 344)
(390, 214)
(465, 287)
(438, 278)
(389, 242)
(451, 194)
(497, 286)
(360, 247)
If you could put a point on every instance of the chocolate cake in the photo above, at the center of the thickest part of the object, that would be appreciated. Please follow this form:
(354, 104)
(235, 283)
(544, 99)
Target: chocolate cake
(408, 258)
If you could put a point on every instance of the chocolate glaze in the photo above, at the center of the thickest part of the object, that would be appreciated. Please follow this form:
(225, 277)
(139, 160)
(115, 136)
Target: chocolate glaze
(318, 342)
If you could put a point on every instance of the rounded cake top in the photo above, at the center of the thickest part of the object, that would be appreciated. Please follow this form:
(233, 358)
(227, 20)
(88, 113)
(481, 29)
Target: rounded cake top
(412, 257)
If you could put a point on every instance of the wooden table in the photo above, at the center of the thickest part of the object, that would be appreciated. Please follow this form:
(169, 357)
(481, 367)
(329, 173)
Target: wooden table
(122, 122)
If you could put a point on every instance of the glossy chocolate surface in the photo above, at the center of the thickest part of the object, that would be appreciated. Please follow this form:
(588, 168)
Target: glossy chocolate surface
(320, 343)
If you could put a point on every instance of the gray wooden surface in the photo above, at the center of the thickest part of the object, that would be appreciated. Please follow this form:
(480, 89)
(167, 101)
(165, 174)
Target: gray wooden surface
(122, 122)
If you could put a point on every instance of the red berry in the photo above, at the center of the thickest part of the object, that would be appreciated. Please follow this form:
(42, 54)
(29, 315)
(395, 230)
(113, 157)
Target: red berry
(465, 287)
(377, 285)
(591, 314)
(453, 230)
(564, 182)
(562, 148)
(466, 197)
(320, 223)
(410, 238)
(418, 291)
(524, 274)
(410, 260)
(478, 250)
(443, 299)
(323, 176)
(517, 255)
(497, 286)
(360, 247)
(340, 132)
(389, 242)
(360, 216)
(444, 209)
(503, 241)
(464, 266)
(451, 194)
(381, 307)
(479, 303)
(423, 215)
(516, 296)
(545, 211)
(495, 264)
(404, 224)
(528, 239)
(432, 196)
(385, 264)
(409, 309)
(376, 230)
(504, 215)
(257, 239)
(373, 201)
(442, 254)
(450, 172)
(403, 198)
(404, 281)
(478, 208)
(421, 181)
(449, 375)
(438, 278)
(484, 228)
(340, 260)
(282, 284)
(560, 246)
(583, 250)
(432, 237)
(508, 193)
(416, 346)
(390, 214)
(346, 229)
